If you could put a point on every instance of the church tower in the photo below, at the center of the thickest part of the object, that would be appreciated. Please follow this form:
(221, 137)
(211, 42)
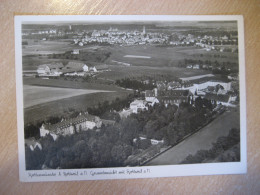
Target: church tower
(143, 29)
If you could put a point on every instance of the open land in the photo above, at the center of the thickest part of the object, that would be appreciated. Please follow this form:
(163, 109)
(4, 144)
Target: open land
(61, 83)
(202, 140)
(34, 95)
(165, 56)
(60, 107)
(152, 56)
(47, 47)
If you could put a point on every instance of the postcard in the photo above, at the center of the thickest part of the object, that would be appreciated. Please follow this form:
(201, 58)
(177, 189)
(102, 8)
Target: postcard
(121, 97)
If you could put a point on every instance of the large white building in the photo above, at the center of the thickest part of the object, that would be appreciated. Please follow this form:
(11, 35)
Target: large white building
(138, 105)
(199, 86)
(70, 126)
(204, 85)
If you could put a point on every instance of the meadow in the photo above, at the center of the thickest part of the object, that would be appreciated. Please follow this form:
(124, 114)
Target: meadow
(34, 95)
(61, 107)
(121, 72)
(166, 55)
(40, 47)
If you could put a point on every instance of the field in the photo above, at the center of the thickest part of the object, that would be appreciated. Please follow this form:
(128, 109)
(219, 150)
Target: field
(120, 72)
(61, 83)
(34, 95)
(40, 47)
(35, 53)
(166, 56)
(60, 107)
(67, 95)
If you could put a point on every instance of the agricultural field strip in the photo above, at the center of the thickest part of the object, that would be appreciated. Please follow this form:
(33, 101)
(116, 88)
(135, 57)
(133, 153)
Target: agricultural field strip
(135, 56)
(34, 95)
(196, 77)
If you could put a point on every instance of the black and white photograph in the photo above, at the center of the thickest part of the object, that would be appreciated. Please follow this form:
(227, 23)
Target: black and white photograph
(114, 97)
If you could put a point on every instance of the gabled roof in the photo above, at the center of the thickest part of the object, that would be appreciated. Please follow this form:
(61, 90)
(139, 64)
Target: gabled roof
(137, 102)
(51, 66)
(175, 93)
(74, 65)
(69, 122)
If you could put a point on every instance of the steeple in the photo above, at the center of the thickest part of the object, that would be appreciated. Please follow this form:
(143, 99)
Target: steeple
(143, 29)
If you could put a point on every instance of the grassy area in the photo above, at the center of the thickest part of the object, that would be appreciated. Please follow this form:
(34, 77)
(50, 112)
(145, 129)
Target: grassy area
(47, 47)
(60, 82)
(82, 102)
(166, 56)
(120, 72)
(35, 95)
(61, 107)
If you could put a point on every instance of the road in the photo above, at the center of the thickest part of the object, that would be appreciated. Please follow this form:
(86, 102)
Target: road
(202, 140)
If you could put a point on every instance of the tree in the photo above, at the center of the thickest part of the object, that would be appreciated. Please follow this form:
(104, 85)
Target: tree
(143, 143)
(198, 103)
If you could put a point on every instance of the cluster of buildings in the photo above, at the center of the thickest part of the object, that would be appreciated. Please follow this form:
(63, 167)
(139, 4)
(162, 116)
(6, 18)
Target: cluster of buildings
(207, 86)
(224, 42)
(71, 69)
(218, 43)
(115, 36)
(70, 126)
(186, 90)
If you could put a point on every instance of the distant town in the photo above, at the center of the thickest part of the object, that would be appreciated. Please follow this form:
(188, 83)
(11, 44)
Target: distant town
(111, 97)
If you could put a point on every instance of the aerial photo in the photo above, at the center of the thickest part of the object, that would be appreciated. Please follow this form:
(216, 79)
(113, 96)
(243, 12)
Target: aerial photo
(119, 94)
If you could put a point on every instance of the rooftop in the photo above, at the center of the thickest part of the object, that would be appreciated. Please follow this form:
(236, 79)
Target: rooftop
(69, 122)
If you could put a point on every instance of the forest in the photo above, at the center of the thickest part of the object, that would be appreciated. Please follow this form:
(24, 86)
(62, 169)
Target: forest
(134, 84)
(225, 149)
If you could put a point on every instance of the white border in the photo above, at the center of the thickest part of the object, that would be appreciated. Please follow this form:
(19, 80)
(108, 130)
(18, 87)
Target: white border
(145, 171)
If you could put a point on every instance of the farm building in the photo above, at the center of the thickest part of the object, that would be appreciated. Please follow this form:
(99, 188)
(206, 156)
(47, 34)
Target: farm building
(75, 67)
(68, 127)
(75, 51)
(50, 69)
